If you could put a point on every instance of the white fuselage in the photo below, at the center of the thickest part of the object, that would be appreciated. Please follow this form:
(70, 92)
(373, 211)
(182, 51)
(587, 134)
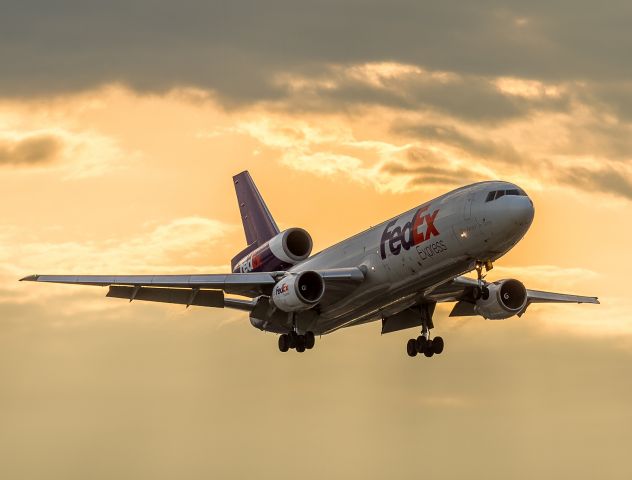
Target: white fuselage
(418, 249)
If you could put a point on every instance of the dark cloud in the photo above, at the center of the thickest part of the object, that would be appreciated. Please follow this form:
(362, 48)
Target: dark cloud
(34, 150)
(606, 180)
(491, 150)
(469, 98)
(237, 46)
(425, 167)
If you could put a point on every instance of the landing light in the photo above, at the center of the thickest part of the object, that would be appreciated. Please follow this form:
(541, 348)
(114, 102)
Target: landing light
(464, 235)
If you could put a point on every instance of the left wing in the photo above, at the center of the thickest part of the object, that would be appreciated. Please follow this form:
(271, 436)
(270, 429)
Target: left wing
(461, 290)
(537, 296)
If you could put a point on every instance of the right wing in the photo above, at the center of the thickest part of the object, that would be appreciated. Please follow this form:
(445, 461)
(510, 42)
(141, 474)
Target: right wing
(237, 283)
(198, 290)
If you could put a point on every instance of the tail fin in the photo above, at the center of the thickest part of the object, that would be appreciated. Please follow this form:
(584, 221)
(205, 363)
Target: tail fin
(259, 226)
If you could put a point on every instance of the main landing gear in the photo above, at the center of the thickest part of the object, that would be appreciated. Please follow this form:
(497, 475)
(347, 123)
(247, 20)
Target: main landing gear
(299, 342)
(427, 346)
(423, 343)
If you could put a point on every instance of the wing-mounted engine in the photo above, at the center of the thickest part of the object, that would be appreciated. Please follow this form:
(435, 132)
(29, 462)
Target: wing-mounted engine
(298, 292)
(501, 300)
(280, 253)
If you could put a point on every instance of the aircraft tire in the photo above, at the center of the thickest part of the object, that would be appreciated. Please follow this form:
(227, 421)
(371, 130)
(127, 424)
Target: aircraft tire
(300, 345)
(292, 339)
(310, 340)
(437, 345)
(477, 293)
(429, 350)
(411, 347)
(420, 344)
(284, 343)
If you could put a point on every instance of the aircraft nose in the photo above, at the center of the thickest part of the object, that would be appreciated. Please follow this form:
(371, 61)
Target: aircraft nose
(510, 214)
(522, 211)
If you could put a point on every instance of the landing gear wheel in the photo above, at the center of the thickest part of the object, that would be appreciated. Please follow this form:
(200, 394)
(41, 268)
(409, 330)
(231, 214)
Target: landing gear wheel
(437, 345)
(300, 344)
(411, 347)
(284, 343)
(310, 340)
(420, 343)
(292, 339)
(477, 293)
(429, 349)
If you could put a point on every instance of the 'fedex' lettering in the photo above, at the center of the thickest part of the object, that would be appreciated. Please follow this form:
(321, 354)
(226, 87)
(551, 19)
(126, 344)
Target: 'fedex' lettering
(251, 263)
(411, 234)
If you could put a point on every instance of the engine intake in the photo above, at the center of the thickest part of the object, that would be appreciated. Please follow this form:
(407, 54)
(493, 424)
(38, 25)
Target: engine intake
(280, 253)
(296, 292)
(502, 299)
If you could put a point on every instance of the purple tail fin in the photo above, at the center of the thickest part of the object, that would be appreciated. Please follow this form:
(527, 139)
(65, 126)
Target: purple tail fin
(259, 226)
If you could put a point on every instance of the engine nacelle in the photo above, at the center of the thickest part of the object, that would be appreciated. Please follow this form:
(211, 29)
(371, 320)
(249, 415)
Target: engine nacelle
(297, 292)
(280, 253)
(501, 300)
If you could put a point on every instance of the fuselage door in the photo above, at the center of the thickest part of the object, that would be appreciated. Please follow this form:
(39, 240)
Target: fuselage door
(467, 208)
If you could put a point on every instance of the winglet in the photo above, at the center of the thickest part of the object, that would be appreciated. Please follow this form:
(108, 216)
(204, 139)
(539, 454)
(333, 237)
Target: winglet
(30, 278)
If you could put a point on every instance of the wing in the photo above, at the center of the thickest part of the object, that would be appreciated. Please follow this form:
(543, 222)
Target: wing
(237, 283)
(200, 290)
(537, 296)
(461, 290)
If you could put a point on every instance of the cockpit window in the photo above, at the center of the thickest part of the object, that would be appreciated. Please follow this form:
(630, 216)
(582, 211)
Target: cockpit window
(496, 194)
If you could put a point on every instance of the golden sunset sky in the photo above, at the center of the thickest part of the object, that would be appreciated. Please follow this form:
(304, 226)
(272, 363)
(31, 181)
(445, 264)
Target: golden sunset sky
(121, 125)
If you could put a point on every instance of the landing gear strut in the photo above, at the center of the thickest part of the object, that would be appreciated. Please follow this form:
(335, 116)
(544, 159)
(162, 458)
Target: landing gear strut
(296, 341)
(481, 291)
(423, 343)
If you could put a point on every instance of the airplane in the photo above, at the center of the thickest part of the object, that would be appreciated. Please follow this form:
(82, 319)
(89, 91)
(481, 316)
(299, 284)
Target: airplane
(395, 272)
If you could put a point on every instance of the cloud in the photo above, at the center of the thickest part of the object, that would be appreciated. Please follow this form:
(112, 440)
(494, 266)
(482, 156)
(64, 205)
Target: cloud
(47, 145)
(423, 167)
(72, 46)
(38, 149)
(413, 87)
(184, 245)
(603, 179)
(450, 136)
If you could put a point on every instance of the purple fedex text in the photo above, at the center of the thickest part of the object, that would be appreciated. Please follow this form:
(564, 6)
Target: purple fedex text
(411, 234)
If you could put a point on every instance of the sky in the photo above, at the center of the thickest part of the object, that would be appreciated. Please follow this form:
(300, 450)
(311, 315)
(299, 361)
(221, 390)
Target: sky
(121, 124)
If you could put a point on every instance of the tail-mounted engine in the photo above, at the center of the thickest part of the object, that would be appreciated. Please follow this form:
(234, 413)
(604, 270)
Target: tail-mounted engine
(279, 253)
(501, 300)
(297, 292)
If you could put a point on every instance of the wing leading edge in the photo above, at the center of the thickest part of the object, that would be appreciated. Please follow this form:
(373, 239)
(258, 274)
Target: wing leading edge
(230, 283)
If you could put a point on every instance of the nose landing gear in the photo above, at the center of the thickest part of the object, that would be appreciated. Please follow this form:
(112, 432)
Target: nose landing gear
(481, 291)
